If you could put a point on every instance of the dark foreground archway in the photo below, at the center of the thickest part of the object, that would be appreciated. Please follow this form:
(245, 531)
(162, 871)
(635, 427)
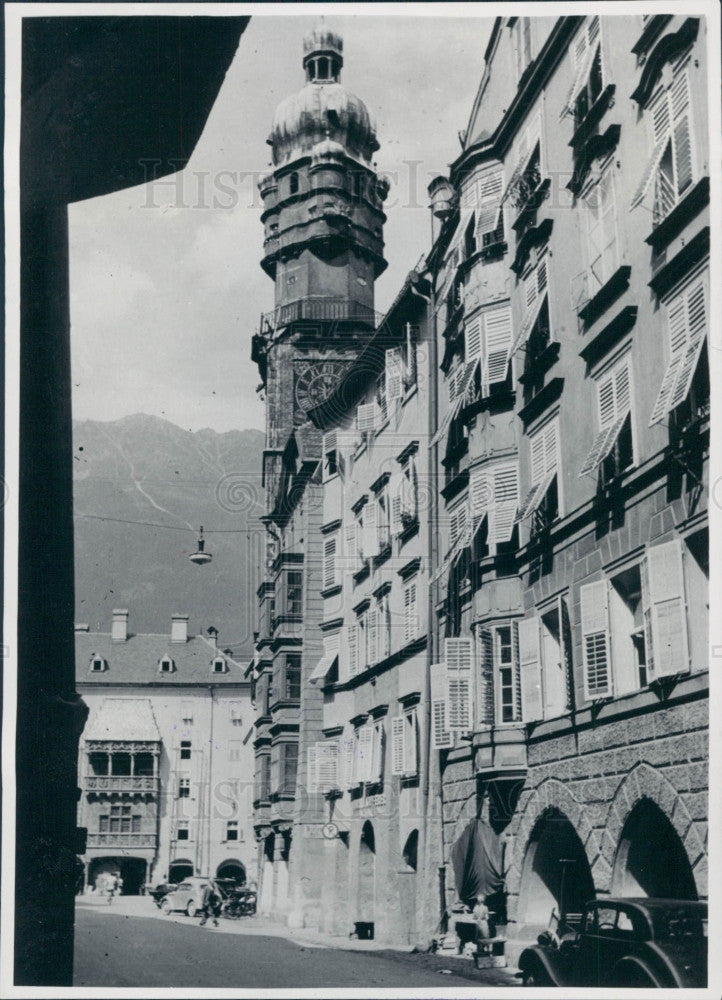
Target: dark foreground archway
(651, 859)
(232, 869)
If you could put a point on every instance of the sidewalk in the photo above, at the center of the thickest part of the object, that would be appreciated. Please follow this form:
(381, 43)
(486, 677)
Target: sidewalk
(304, 937)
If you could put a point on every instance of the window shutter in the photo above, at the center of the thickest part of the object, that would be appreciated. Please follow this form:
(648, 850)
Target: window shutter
(410, 367)
(505, 500)
(408, 487)
(647, 611)
(595, 640)
(696, 313)
(473, 340)
(365, 748)
(378, 733)
(370, 539)
(489, 205)
(661, 125)
(394, 375)
(396, 502)
(459, 658)
(352, 639)
(485, 674)
(530, 674)
(327, 765)
(497, 325)
(312, 773)
(346, 761)
(538, 457)
(441, 738)
(669, 615)
(682, 134)
(479, 494)
(329, 562)
(372, 636)
(366, 417)
(411, 624)
(411, 742)
(397, 745)
(350, 544)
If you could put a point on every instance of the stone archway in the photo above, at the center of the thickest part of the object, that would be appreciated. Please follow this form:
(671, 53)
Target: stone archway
(180, 869)
(646, 783)
(232, 869)
(651, 859)
(366, 892)
(556, 874)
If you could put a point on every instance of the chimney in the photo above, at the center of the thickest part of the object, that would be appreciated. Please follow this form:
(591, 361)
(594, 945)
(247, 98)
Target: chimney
(213, 633)
(179, 628)
(119, 631)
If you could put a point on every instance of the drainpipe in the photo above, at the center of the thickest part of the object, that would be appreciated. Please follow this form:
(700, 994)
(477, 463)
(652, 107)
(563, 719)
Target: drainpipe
(211, 692)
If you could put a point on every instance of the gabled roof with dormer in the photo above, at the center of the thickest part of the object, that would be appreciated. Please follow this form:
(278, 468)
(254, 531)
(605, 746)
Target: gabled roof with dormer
(137, 661)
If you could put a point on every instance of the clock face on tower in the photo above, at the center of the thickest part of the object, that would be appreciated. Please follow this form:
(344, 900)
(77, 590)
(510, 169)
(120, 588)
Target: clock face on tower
(316, 381)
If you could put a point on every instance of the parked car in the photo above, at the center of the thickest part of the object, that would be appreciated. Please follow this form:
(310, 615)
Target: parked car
(161, 890)
(624, 943)
(186, 896)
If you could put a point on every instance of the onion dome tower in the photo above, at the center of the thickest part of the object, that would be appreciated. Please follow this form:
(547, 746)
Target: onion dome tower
(322, 202)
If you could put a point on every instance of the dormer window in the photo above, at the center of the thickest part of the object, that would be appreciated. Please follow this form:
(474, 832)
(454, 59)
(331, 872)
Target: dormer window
(219, 665)
(98, 664)
(166, 665)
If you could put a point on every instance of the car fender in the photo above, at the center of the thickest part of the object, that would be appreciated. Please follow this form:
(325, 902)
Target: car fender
(547, 961)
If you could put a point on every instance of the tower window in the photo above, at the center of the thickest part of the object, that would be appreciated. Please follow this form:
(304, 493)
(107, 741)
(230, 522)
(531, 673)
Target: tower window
(293, 183)
(183, 830)
(185, 750)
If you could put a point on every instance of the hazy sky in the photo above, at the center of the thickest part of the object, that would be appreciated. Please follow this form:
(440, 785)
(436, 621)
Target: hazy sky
(166, 288)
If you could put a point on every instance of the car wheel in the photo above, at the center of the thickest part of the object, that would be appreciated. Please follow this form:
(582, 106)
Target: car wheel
(165, 907)
(191, 909)
(635, 973)
(535, 974)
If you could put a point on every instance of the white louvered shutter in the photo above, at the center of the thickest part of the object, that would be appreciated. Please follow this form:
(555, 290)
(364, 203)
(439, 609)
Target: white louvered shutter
(441, 738)
(378, 751)
(366, 417)
(394, 374)
(473, 341)
(613, 403)
(459, 658)
(680, 111)
(329, 562)
(350, 537)
(504, 501)
(595, 640)
(480, 494)
(661, 126)
(411, 742)
(327, 765)
(411, 623)
(312, 773)
(487, 218)
(457, 522)
(687, 324)
(352, 640)
(372, 633)
(485, 676)
(370, 537)
(397, 745)
(696, 329)
(498, 336)
(396, 500)
(530, 670)
(365, 751)
(409, 489)
(347, 760)
(669, 613)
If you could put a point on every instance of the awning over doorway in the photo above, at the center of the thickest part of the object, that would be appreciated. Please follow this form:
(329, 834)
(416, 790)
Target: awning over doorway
(477, 860)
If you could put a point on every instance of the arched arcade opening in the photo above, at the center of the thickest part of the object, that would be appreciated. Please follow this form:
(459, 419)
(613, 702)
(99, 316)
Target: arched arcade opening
(232, 869)
(555, 873)
(651, 859)
(365, 915)
(179, 870)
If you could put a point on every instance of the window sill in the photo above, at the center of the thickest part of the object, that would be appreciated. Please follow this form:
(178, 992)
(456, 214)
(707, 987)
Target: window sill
(684, 211)
(533, 237)
(383, 555)
(609, 336)
(453, 455)
(331, 591)
(497, 398)
(584, 130)
(456, 485)
(493, 251)
(360, 575)
(409, 531)
(533, 202)
(597, 146)
(650, 31)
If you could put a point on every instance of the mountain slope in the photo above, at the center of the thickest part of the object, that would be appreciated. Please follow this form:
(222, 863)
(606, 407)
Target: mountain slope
(145, 469)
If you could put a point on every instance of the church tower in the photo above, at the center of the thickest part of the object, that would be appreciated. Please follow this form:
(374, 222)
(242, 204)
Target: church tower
(323, 219)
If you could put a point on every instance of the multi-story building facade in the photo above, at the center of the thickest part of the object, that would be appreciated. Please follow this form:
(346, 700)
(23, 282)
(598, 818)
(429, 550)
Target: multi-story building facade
(572, 304)
(166, 757)
(496, 507)
(323, 218)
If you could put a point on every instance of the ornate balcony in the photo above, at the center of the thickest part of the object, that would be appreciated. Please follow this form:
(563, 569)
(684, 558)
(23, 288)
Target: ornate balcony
(121, 783)
(320, 309)
(122, 841)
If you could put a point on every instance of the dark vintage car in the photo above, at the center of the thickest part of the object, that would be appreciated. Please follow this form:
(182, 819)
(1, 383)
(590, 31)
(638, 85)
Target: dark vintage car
(624, 943)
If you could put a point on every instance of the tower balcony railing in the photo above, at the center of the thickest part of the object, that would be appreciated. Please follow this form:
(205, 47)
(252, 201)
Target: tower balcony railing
(322, 309)
(120, 840)
(121, 783)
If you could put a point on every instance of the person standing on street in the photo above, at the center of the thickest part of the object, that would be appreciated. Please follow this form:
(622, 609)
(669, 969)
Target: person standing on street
(112, 886)
(210, 903)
